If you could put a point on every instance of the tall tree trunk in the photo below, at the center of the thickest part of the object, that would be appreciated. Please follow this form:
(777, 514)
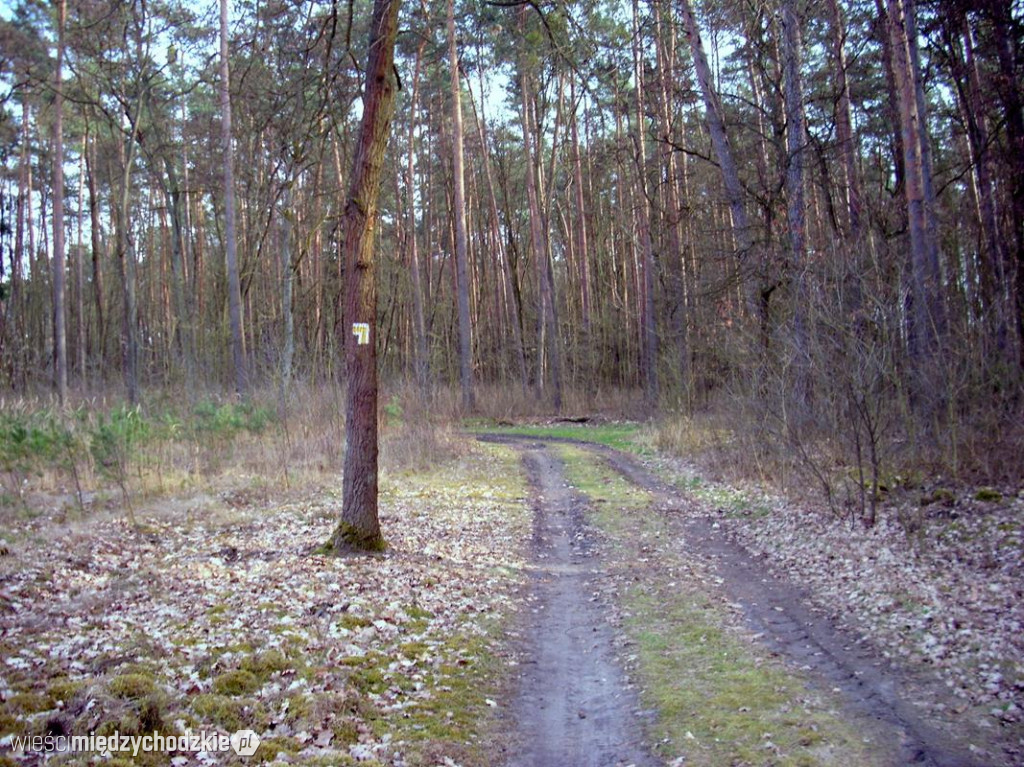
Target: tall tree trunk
(844, 124)
(587, 363)
(927, 321)
(126, 260)
(796, 141)
(648, 322)
(1011, 94)
(924, 141)
(892, 103)
(287, 216)
(421, 352)
(230, 236)
(79, 292)
(674, 267)
(461, 245)
(96, 241)
(723, 151)
(538, 239)
(546, 193)
(23, 212)
(182, 307)
(359, 527)
(511, 296)
(59, 272)
(991, 260)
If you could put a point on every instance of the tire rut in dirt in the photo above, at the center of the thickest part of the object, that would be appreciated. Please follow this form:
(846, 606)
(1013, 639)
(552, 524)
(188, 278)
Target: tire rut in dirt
(573, 707)
(779, 611)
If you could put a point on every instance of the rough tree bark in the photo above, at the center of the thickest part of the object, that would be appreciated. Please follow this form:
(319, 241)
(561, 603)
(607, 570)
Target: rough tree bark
(359, 527)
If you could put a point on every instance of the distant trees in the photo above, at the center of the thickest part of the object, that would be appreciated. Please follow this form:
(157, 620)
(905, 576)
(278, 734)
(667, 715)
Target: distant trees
(695, 200)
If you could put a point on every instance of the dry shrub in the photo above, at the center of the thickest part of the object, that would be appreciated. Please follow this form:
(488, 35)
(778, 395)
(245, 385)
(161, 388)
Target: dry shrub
(849, 418)
(509, 402)
(417, 433)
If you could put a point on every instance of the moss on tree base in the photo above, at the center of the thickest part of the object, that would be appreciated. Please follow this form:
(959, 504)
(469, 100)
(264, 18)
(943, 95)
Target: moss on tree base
(348, 539)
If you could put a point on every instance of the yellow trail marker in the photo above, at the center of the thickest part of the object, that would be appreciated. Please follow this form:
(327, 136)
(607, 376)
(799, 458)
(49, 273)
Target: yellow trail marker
(361, 330)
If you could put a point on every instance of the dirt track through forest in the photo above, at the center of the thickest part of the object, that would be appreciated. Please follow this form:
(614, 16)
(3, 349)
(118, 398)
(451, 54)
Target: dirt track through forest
(573, 709)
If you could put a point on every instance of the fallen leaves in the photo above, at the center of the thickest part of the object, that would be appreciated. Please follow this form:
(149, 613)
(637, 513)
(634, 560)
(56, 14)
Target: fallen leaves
(946, 596)
(328, 654)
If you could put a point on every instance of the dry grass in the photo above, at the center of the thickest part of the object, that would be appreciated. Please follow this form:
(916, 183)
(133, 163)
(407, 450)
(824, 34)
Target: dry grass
(98, 455)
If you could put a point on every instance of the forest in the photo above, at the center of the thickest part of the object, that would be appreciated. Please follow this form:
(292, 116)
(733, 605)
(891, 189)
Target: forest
(810, 214)
(745, 275)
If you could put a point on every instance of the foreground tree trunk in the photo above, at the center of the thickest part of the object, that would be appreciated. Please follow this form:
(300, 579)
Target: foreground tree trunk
(359, 528)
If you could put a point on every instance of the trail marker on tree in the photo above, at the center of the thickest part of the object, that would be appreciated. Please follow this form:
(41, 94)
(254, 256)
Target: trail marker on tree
(361, 330)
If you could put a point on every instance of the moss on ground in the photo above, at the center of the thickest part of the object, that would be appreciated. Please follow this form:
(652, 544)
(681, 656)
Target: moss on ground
(133, 685)
(236, 682)
(456, 720)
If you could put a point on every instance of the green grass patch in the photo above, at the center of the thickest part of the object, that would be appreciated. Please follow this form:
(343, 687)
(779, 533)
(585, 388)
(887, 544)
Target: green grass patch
(628, 437)
(28, 703)
(265, 664)
(719, 702)
(132, 685)
(614, 499)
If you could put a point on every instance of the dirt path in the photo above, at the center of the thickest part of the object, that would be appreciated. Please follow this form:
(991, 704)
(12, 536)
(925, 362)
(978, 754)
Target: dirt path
(573, 707)
(777, 610)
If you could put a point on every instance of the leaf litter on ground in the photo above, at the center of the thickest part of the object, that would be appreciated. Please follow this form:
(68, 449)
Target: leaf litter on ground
(935, 586)
(230, 621)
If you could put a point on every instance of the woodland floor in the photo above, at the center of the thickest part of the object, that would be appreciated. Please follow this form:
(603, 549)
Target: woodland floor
(542, 602)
